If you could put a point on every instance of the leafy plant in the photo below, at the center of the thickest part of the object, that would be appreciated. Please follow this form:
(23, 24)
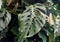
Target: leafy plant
(30, 19)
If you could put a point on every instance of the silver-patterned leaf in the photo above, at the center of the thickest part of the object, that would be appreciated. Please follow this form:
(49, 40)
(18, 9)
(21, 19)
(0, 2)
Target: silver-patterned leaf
(4, 19)
(31, 21)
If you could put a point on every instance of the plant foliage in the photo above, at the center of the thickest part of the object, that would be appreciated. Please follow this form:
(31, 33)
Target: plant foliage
(30, 18)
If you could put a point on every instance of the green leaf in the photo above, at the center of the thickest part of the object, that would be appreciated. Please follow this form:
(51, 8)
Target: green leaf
(50, 32)
(5, 18)
(43, 36)
(31, 21)
(57, 26)
(14, 30)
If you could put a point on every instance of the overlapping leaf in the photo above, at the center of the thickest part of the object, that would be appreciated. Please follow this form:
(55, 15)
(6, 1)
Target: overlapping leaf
(5, 18)
(43, 36)
(57, 26)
